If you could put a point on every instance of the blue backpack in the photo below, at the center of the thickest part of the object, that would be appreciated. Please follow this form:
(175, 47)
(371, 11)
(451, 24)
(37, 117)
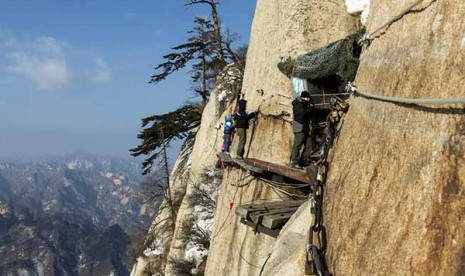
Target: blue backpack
(228, 125)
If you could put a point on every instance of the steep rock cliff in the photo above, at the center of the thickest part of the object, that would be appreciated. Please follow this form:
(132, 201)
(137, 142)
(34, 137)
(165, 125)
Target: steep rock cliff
(394, 201)
(396, 189)
(280, 29)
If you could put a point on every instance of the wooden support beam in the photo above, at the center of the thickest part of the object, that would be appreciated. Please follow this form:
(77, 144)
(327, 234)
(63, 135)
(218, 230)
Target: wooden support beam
(258, 217)
(274, 221)
(259, 228)
(245, 210)
(268, 217)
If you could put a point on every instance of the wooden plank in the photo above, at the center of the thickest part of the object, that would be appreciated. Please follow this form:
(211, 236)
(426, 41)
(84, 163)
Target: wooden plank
(224, 157)
(227, 159)
(306, 176)
(259, 228)
(258, 166)
(274, 221)
(248, 167)
(244, 210)
(257, 217)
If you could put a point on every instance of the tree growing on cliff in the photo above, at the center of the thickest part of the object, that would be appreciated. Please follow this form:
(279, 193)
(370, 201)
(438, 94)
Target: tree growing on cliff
(160, 130)
(222, 41)
(208, 50)
(218, 39)
(199, 48)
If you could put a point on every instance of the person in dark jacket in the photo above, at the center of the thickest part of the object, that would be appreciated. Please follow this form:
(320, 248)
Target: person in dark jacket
(242, 124)
(302, 127)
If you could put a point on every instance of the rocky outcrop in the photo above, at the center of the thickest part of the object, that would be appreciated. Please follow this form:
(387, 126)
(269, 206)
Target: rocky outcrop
(194, 175)
(280, 29)
(394, 196)
(396, 189)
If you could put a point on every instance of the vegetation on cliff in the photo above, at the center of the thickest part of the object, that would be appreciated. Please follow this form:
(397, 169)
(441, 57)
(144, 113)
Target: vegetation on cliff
(208, 50)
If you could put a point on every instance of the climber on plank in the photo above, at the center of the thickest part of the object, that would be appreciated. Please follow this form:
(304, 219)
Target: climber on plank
(242, 124)
(302, 128)
(227, 134)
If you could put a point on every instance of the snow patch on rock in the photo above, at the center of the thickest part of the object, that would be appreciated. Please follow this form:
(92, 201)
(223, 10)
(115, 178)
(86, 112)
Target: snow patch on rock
(66, 182)
(222, 95)
(361, 7)
(158, 250)
(124, 201)
(196, 253)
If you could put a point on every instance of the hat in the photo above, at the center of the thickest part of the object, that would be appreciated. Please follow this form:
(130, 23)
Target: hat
(305, 94)
(242, 104)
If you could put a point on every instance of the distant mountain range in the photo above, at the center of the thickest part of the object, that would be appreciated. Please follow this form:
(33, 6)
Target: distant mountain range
(69, 215)
(85, 161)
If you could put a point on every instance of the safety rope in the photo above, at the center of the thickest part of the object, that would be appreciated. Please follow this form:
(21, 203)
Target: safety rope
(264, 264)
(331, 94)
(368, 37)
(284, 184)
(279, 116)
(275, 188)
(433, 101)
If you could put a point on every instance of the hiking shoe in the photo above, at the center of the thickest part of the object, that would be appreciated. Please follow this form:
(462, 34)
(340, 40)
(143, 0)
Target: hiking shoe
(297, 166)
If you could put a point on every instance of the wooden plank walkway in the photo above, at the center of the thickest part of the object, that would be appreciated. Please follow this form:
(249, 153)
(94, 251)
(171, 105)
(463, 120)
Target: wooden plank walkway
(258, 166)
(305, 176)
(269, 217)
(227, 159)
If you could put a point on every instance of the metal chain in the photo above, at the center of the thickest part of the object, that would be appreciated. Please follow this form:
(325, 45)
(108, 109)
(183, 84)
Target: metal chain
(317, 240)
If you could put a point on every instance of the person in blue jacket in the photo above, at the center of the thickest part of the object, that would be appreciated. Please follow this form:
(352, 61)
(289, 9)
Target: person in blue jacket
(227, 134)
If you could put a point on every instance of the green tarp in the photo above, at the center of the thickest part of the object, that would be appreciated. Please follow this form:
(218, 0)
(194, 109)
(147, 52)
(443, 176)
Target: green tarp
(338, 59)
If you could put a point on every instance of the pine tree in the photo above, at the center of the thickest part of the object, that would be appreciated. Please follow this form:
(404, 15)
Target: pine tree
(216, 26)
(199, 48)
(160, 130)
(207, 50)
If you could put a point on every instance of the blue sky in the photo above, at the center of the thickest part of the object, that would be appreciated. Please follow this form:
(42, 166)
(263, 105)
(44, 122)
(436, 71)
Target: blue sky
(73, 74)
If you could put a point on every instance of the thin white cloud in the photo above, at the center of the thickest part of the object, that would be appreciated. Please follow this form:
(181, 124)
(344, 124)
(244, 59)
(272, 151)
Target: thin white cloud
(102, 73)
(41, 61)
(47, 73)
(50, 45)
(47, 63)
